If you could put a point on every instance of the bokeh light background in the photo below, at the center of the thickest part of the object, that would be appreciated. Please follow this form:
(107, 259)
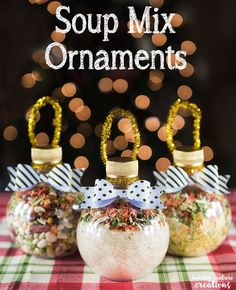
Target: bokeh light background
(204, 30)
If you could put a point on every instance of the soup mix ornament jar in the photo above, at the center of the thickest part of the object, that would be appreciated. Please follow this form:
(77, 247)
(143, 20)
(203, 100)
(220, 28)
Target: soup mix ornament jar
(40, 217)
(122, 233)
(196, 206)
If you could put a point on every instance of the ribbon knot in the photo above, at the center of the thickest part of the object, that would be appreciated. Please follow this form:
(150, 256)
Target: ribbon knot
(208, 179)
(61, 177)
(141, 194)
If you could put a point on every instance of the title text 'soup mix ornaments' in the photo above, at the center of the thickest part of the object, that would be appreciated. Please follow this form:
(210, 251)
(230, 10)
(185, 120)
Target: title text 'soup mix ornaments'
(122, 233)
(39, 214)
(197, 209)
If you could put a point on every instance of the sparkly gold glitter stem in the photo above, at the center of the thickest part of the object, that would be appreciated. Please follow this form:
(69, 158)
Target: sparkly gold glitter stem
(196, 112)
(57, 121)
(106, 132)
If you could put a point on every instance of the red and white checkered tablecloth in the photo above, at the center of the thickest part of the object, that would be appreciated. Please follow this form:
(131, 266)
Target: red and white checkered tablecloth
(18, 271)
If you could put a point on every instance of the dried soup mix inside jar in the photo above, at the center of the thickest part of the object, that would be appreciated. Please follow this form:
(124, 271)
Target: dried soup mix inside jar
(41, 221)
(119, 236)
(199, 221)
(40, 217)
(196, 207)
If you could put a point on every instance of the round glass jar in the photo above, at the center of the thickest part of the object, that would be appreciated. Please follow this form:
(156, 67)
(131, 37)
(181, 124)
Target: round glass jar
(121, 242)
(198, 212)
(198, 221)
(42, 222)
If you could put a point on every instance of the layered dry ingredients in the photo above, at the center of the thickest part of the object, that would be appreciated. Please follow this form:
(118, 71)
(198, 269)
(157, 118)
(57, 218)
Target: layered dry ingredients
(199, 221)
(121, 242)
(41, 221)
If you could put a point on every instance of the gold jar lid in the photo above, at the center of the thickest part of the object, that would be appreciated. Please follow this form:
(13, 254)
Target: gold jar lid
(122, 170)
(187, 156)
(46, 156)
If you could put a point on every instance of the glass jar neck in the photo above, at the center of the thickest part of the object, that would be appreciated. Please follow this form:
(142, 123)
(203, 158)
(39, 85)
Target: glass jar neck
(44, 168)
(122, 171)
(189, 159)
(44, 159)
(122, 182)
(190, 170)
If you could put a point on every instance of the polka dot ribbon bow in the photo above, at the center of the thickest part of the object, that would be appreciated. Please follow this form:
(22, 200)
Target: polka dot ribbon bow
(140, 194)
(61, 177)
(208, 179)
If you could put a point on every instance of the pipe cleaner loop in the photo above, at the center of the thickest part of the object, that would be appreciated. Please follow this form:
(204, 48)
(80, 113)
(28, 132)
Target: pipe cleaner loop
(106, 132)
(57, 121)
(196, 112)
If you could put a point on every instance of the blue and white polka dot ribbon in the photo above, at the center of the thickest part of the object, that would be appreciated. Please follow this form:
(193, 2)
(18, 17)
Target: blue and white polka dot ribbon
(140, 194)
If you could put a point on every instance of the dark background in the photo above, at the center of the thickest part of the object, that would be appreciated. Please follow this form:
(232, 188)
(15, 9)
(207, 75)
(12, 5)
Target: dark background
(26, 27)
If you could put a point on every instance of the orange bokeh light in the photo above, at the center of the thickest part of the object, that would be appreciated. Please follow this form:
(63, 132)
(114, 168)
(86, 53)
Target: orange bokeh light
(162, 164)
(162, 133)
(42, 139)
(69, 89)
(177, 20)
(81, 162)
(152, 124)
(188, 71)
(185, 92)
(105, 85)
(120, 143)
(120, 86)
(189, 47)
(84, 114)
(178, 122)
(156, 3)
(75, 104)
(208, 153)
(10, 133)
(159, 39)
(124, 125)
(52, 6)
(145, 152)
(57, 36)
(77, 140)
(142, 102)
(28, 80)
(126, 153)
